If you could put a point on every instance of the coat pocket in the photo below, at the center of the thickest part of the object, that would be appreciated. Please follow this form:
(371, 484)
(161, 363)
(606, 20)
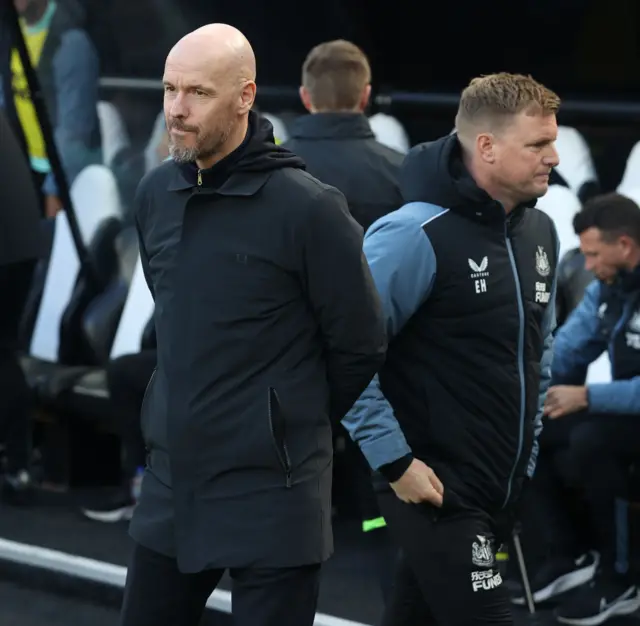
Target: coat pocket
(277, 426)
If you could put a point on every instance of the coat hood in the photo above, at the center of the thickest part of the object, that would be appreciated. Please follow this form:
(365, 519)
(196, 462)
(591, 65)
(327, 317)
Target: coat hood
(434, 172)
(258, 153)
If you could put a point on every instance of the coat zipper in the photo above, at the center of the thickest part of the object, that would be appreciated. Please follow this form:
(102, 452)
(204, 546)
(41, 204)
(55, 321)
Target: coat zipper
(144, 399)
(283, 456)
(521, 319)
(146, 389)
(199, 178)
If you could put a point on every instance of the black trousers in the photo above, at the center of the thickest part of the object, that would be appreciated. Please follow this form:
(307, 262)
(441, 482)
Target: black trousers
(127, 380)
(15, 396)
(590, 454)
(446, 573)
(157, 594)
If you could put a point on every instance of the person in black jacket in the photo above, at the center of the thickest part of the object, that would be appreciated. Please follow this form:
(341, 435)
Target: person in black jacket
(336, 140)
(268, 328)
(466, 272)
(339, 148)
(20, 247)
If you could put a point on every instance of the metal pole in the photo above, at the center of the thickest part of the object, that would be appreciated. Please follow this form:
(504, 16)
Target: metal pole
(429, 101)
(523, 573)
(618, 111)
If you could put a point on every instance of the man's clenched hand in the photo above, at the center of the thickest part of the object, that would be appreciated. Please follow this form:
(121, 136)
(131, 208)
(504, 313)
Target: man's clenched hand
(419, 484)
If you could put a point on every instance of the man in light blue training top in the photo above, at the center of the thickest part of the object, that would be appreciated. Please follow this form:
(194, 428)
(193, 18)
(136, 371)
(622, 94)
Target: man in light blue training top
(466, 273)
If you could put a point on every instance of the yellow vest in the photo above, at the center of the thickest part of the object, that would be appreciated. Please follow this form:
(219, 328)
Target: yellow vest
(22, 97)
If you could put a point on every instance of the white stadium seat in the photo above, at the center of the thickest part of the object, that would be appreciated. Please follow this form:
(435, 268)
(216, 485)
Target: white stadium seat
(112, 130)
(631, 177)
(137, 311)
(95, 199)
(561, 204)
(390, 132)
(576, 163)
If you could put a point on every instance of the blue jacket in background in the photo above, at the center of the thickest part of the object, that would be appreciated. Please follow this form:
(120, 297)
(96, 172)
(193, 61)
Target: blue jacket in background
(607, 319)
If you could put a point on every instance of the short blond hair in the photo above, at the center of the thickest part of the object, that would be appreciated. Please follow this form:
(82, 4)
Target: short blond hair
(335, 74)
(492, 99)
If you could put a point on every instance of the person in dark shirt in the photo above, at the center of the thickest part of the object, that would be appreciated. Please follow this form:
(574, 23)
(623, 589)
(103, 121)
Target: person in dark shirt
(268, 327)
(592, 431)
(20, 247)
(336, 141)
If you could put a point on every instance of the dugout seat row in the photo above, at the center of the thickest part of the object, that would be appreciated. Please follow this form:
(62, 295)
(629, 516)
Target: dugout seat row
(71, 325)
(81, 325)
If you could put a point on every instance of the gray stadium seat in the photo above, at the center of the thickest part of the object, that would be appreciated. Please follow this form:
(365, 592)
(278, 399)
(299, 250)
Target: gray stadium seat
(98, 322)
(68, 289)
(129, 338)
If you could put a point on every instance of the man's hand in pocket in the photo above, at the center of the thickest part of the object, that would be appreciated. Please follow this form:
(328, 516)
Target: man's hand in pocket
(419, 484)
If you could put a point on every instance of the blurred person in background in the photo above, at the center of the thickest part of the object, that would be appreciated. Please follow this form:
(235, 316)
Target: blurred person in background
(337, 144)
(336, 141)
(592, 431)
(20, 248)
(67, 67)
(128, 378)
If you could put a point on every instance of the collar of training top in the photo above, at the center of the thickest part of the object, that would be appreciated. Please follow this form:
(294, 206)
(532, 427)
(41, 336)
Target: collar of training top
(628, 281)
(332, 125)
(244, 171)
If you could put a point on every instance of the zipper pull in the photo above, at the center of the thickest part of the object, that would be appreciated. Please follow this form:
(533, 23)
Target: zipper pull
(199, 178)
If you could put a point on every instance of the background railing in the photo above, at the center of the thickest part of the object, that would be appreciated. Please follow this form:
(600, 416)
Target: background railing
(604, 110)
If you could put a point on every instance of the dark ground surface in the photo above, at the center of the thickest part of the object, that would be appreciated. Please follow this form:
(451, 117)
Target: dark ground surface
(349, 587)
(25, 607)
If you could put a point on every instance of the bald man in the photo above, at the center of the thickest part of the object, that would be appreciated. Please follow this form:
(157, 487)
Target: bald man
(268, 327)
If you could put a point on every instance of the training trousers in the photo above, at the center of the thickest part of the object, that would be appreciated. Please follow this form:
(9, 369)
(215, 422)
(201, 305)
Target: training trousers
(592, 454)
(157, 594)
(127, 380)
(15, 397)
(446, 573)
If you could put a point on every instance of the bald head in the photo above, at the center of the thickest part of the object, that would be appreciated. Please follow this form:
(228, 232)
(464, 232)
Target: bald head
(209, 89)
(220, 48)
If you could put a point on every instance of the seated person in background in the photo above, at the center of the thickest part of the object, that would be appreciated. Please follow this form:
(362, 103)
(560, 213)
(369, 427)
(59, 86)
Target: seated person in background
(336, 141)
(592, 432)
(127, 380)
(68, 70)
